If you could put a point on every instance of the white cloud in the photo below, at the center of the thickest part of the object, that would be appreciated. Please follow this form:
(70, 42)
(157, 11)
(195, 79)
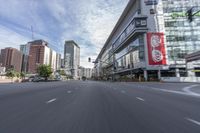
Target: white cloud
(9, 38)
(95, 20)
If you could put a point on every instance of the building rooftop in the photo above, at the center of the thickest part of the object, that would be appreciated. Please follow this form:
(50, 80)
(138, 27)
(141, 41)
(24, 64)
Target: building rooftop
(72, 41)
(38, 42)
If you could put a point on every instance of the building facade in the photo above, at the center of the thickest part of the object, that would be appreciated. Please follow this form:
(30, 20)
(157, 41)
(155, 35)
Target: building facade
(62, 63)
(58, 61)
(150, 41)
(53, 60)
(192, 63)
(85, 72)
(71, 58)
(11, 58)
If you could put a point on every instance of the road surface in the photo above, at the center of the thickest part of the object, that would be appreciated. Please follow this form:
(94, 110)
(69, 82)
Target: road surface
(99, 107)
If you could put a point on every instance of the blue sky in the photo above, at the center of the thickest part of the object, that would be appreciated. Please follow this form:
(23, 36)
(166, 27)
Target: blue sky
(88, 22)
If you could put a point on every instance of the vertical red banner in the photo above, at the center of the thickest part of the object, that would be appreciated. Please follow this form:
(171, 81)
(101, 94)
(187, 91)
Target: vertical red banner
(156, 49)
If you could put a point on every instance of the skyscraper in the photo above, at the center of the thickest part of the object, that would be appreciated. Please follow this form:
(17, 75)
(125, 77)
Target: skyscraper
(71, 58)
(24, 48)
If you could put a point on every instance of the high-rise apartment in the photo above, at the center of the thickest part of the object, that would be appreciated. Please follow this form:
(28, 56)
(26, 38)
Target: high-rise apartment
(39, 54)
(11, 58)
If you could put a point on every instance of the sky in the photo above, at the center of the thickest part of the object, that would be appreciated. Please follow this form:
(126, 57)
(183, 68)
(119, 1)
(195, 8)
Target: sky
(87, 22)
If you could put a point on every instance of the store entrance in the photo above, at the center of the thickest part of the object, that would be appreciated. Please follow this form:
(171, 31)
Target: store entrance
(152, 75)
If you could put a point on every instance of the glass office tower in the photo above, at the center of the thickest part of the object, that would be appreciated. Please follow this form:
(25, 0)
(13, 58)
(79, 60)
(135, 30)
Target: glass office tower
(182, 37)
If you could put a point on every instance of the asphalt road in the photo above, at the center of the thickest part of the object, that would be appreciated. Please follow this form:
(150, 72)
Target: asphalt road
(99, 107)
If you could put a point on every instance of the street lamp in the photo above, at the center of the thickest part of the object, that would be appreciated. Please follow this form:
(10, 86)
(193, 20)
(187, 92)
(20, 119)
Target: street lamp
(190, 14)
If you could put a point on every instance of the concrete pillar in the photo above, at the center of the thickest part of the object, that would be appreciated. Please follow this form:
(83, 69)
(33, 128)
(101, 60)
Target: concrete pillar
(159, 75)
(190, 67)
(145, 75)
(177, 72)
(191, 73)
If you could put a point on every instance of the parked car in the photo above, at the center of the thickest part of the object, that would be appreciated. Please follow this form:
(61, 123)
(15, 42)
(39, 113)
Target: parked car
(31, 78)
(38, 79)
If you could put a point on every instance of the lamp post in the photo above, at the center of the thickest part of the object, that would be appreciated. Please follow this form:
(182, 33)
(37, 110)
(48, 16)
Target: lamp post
(190, 14)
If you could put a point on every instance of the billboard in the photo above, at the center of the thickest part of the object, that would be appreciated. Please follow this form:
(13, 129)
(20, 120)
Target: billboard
(156, 48)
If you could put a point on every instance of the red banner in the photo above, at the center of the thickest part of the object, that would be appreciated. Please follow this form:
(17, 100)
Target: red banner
(156, 48)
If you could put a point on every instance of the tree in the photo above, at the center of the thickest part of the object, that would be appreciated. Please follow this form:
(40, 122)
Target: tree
(62, 72)
(22, 75)
(44, 71)
(11, 74)
(17, 74)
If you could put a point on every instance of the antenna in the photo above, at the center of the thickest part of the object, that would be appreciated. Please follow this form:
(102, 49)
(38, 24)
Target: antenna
(32, 32)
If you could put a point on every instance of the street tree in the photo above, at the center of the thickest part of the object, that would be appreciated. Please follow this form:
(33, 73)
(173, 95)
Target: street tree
(22, 75)
(44, 71)
(11, 74)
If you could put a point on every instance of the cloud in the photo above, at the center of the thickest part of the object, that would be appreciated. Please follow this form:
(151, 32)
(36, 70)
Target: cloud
(88, 22)
(92, 21)
(9, 38)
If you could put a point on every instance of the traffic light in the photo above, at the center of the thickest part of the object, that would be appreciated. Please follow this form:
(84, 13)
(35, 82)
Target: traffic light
(89, 59)
(190, 15)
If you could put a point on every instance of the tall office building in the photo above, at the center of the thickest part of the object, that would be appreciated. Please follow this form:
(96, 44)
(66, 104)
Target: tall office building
(11, 58)
(24, 48)
(150, 40)
(71, 58)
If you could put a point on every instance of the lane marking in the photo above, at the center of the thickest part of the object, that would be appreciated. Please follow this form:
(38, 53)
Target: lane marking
(52, 100)
(187, 89)
(69, 92)
(141, 99)
(176, 92)
(193, 121)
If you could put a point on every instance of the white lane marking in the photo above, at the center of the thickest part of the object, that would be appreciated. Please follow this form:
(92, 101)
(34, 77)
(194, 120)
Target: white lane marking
(193, 121)
(187, 89)
(69, 92)
(176, 92)
(122, 91)
(141, 99)
(50, 101)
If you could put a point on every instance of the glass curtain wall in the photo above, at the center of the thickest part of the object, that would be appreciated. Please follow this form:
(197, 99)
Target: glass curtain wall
(130, 55)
